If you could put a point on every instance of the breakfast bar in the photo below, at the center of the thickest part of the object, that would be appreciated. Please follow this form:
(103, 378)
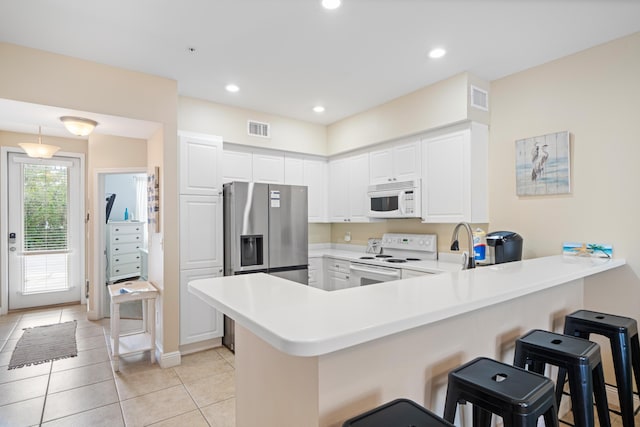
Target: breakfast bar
(308, 357)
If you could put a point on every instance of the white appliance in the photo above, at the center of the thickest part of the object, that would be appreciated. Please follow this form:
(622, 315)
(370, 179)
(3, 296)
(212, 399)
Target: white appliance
(398, 250)
(394, 199)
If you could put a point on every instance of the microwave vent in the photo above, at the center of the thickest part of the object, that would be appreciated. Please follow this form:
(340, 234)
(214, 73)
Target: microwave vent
(260, 129)
(479, 98)
(394, 186)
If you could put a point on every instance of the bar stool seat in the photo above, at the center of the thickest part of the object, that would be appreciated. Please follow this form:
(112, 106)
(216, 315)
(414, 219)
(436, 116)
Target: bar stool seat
(399, 412)
(518, 396)
(625, 350)
(577, 357)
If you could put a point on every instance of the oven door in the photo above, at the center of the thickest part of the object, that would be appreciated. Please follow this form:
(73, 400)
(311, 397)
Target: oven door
(364, 274)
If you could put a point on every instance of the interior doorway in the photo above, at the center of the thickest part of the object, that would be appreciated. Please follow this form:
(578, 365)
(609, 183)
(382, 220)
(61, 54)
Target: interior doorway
(121, 196)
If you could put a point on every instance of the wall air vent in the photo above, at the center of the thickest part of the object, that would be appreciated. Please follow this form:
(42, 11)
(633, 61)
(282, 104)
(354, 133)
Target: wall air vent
(260, 129)
(479, 98)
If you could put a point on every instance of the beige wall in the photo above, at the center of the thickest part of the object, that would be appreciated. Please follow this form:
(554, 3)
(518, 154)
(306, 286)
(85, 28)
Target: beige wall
(39, 77)
(196, 115)
(437, 105)
(594, 95)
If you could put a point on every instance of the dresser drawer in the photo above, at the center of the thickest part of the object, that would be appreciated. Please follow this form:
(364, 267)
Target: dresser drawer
(126, 269)
(126, 238)
(126, 229)
(125, 258)
(126, 248)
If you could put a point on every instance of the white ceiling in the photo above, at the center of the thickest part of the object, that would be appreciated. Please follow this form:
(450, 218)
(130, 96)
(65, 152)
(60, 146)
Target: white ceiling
(289, 55)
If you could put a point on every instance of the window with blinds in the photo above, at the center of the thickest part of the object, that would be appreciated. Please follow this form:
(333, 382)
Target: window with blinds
(45, 207)
(45, 217)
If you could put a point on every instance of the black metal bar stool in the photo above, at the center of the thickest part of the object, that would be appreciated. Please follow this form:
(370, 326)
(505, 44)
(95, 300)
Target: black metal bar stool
(625, 350)
(518, 396)
(577, 357)
(399, 412)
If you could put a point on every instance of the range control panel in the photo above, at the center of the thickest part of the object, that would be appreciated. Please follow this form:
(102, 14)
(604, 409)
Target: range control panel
(410, 242)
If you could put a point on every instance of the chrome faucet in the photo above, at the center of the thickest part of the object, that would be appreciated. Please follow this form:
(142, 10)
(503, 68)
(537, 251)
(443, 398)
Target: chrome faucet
(470, 262)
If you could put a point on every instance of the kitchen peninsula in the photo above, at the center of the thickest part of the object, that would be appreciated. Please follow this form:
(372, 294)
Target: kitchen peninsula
(307, 357)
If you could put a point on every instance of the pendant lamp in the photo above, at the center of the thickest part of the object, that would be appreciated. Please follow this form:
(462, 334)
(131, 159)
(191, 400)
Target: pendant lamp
(78, 126)
(39, 150)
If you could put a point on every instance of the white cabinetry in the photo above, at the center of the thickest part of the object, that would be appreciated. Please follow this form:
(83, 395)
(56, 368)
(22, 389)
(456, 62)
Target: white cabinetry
(337, 274)
(237, 165)
(348, 182)
(198, 156)
(316, 273)
(268, 167)
(124, 241)
(455, 176)
(200, 232)
(198, 321)
(399, 162)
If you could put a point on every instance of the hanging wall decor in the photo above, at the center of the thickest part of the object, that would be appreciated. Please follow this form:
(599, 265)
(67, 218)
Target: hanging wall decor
(153, 202)
(543, 165)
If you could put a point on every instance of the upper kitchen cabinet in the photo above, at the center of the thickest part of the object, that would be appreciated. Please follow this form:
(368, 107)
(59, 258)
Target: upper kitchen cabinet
(268, 167)
(200, 161)
(312, 172)
(455, 176)
(399, 162)
(348, 182)
(237, 165)
(253, 164)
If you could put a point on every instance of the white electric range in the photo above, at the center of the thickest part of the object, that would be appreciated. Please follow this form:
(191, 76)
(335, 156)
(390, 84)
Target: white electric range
(396, 251)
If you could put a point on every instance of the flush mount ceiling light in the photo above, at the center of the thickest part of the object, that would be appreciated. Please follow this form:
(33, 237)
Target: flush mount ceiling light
(232, 88)
(39, 150)
(331, 4)
(78, 126)
(437, 53)
(318, 109)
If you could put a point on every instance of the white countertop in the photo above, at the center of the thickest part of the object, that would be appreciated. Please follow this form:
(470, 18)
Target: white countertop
(306, 321)
(435, 266)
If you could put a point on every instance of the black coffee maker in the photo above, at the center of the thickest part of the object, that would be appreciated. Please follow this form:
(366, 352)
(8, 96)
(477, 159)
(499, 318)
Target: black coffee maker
(503, 246)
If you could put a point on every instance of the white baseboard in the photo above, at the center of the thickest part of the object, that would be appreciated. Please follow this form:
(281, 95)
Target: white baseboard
(169, 360)
(200, 346)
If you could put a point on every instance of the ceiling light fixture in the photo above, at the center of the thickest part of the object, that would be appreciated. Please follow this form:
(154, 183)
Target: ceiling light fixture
(78, 126)
(232, 88)
(318, 109)
(331, 4)
(39, 150)
(437, 53)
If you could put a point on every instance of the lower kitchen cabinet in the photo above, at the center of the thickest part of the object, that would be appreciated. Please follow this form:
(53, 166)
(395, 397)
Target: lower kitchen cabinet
(315, 273)
(337, 274)
(198, 320)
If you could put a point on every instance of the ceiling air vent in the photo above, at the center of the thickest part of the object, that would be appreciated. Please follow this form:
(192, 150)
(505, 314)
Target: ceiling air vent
(260, 129)
(479, 98)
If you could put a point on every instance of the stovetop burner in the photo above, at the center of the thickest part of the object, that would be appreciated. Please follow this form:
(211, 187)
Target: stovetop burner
(383, 256)
(396, 260)
(414, 259)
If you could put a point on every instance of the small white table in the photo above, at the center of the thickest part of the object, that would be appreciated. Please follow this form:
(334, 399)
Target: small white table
(140, 340)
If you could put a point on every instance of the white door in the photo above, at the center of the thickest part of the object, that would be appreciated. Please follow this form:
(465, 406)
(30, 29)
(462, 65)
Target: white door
(200, 231)
(45, 225)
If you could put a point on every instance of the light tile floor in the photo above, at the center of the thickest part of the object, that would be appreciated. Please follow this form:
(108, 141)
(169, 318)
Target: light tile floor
(84, 390)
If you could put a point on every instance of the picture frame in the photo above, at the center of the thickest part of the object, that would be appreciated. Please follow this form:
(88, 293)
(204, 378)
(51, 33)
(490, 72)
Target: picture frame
(543, 165)
(153, 200)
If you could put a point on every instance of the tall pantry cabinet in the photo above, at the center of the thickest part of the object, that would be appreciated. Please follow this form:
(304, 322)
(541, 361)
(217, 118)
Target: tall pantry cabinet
(201, 239)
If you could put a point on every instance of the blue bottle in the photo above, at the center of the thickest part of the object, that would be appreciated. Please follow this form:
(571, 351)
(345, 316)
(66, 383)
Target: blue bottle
(126, 214)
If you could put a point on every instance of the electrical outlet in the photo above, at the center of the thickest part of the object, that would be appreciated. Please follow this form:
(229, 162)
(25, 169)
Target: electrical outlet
(347, 236)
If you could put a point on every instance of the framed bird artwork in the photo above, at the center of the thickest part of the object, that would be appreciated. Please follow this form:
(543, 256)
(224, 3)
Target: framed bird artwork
(543, 165)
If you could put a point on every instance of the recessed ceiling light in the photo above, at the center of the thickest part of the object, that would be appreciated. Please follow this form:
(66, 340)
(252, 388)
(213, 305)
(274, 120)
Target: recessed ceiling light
(232, 88)
(331, 4)
(437, 53)
(191, 49)
(318, 109)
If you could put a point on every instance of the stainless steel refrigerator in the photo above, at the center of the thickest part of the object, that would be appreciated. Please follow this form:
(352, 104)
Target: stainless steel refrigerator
(265, 230)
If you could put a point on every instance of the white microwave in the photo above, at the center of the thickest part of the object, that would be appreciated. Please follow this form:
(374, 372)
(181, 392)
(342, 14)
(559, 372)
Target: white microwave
(394, 200)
